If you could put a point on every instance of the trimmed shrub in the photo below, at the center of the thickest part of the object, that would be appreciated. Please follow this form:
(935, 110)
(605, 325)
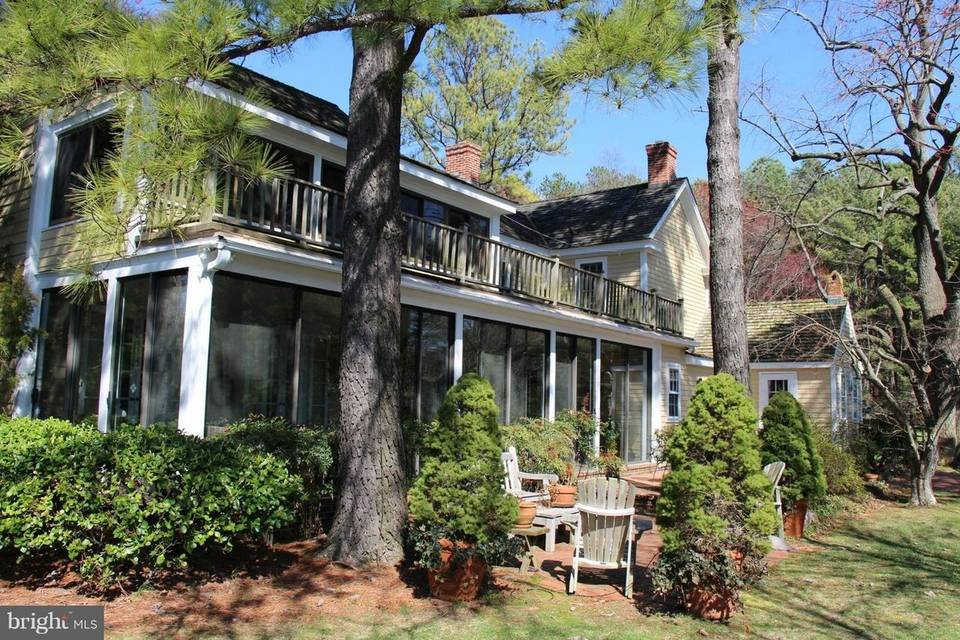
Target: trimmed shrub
(841, 470)
(307, 452)
(715, 509)
(542, 446)
(787, 436)
(138, 499)
(459, 493)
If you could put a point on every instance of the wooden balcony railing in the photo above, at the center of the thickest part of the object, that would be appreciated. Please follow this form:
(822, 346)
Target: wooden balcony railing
(309, 213)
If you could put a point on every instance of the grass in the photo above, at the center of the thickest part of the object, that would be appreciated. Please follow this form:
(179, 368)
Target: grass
(893, 574)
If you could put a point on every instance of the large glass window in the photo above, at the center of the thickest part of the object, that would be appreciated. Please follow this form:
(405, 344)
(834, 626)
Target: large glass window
(425, 347)
(70, 351)
(79, 152)
(251, 350)
(513, 359)
(625, 397)
(574, 373)
(318, 399)
(149, 348)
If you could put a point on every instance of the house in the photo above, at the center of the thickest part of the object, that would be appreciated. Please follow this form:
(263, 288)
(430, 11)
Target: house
(590, 302)
(794, 346)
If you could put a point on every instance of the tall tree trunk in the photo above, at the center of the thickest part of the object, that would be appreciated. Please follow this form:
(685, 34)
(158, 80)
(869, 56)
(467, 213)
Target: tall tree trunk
(728, 310)
(371, 504)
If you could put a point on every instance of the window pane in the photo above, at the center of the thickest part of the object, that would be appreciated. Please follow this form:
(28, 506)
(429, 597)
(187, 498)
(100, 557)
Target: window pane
(410, 204)
(493, 362)
(333, 177)
(410, 362)
(434, 362)
(566, 382)
(78, 152)
(53, 376)
(624, 398)
(532, 350)
(131, 338)
(319, 398)
(434, 211)
(585, 357)
(91, 318)
(166, 348)
(250, 349)
(592, 267)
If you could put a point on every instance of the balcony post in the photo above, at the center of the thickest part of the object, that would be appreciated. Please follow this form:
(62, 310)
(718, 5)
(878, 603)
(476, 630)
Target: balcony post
(655, 320)
(555, 281)
(462, 249)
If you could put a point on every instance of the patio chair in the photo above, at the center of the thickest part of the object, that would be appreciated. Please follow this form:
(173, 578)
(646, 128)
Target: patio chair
(774, 471)
(513, 479)
(603, 536)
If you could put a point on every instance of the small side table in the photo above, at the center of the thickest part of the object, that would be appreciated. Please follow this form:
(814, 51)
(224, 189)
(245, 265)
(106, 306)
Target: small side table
(527, 533)
(552, 518)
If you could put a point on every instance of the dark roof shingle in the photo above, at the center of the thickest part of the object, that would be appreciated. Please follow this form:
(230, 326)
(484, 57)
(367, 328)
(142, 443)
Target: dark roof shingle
(787, 331)
(624, 214)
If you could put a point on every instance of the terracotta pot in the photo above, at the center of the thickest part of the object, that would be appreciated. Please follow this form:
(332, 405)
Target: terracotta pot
(457, 582)
(793, 521)
(709, 605)
(871, 477)
(528, 510)
(563, 495)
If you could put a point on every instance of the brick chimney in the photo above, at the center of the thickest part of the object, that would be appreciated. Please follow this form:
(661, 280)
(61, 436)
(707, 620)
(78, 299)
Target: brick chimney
(661, 162)
(463, 160)
(835, 293)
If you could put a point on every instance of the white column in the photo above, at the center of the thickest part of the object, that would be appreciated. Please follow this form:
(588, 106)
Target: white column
(644, 270)
(40, 194)
(107, 360)
(457, 346)
(596, 394)
(552, 377)
(656, 401)
(196, 350)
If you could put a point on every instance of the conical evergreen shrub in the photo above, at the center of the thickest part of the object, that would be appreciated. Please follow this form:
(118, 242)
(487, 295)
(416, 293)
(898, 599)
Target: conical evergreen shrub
(787, 435)
(716, 509)
(459, 493)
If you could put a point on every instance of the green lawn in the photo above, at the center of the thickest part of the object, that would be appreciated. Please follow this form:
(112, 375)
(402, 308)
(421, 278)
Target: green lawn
(893, 574)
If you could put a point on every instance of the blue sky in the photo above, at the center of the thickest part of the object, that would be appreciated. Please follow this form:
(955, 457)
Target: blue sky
(785, 54)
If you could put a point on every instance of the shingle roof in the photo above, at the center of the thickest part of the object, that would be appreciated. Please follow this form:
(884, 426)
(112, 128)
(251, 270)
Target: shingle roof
(283, 97)
(602, 217)
(786, 331)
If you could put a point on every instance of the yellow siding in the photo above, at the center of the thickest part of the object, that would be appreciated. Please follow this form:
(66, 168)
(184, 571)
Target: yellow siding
(688, 379)
(15, 214)
(813, 391)
(679, 270)
(70, 246)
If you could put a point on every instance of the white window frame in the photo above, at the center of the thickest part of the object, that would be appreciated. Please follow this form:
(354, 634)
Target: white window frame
(602, 260)
(767, 376)
(671, 367)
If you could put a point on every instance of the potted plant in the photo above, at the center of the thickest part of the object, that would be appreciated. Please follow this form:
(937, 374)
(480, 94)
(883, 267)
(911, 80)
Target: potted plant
(788, 436)
(546, 447)
(526, 512)
(459, 512)
(715, 510)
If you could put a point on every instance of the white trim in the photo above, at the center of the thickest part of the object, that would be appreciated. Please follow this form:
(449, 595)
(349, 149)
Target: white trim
(107, 360)
(595, 401)
(196, 350)
(552, 375)
(644, 270)
(763, 366)
(669, 209)
(834, 400)
(601, 259)
(457, 345)
(764, 378)
(698, 361)
(656, 400)
(675, 366)
(610, 248)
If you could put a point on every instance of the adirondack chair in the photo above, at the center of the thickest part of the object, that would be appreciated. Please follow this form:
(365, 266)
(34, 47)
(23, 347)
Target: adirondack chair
(774, 471)
(603, 536)
(513, 478)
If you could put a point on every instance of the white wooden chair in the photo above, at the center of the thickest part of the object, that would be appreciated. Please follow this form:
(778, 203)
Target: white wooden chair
(603, 536)
(513, 478)
(774, 471)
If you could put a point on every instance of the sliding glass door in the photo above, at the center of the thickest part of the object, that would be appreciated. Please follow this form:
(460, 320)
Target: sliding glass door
(625, 394)
(574, 373)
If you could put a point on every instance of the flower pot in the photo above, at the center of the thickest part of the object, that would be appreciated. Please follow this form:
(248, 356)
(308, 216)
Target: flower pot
(457, 581)
(871, 477)
(563, 495)
(528, 511)
(708, 605)
(794, 520)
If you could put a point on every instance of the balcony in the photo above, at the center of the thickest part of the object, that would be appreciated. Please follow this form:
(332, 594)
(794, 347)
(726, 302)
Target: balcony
(313, 215)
